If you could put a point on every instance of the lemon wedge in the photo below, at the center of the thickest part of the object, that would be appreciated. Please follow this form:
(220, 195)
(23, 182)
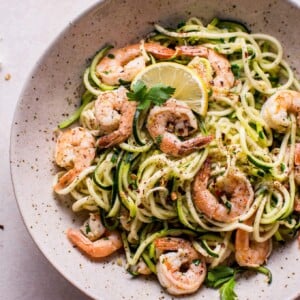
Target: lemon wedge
(190, 88)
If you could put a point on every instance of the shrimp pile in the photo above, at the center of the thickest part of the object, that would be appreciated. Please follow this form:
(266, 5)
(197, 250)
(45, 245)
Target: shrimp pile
(185, 193)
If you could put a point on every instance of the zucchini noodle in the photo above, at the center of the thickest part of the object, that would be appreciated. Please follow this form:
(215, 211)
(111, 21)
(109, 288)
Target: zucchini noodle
(146, 194)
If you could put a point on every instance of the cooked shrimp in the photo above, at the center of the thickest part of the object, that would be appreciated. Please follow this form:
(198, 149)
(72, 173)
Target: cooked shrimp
(75, 150)
(103, 246)
(114, 113)
(250, 253)
(224, 77)
(125, 63)
(92, 227)
(165, 123)
(233, 184)
(275, 110)
(180, 272)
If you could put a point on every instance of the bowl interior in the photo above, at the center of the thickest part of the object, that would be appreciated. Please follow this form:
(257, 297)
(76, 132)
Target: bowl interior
(52, 91)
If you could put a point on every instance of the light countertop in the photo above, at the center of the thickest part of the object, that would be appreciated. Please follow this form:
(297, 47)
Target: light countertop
(26, 30)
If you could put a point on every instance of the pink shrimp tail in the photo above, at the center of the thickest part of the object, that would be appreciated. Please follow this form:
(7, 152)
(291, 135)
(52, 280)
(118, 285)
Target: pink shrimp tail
(66, 179)
(159, 51)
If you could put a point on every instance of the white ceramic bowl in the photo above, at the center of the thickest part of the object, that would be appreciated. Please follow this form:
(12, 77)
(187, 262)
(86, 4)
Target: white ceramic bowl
(52, 91)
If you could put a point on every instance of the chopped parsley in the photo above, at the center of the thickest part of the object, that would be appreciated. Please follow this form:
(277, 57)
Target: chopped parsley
(87, 228)
(159, 139)
(156, 95)
(236, 70)
(196, 262)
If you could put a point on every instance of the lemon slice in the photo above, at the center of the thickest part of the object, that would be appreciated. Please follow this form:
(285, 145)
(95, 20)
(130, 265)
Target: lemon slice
(190, 88)
(203, 68)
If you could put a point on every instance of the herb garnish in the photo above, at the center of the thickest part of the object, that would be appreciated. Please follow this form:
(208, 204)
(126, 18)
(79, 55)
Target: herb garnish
(236, 70)
(156, 95)
(224, 278)
(87, 228)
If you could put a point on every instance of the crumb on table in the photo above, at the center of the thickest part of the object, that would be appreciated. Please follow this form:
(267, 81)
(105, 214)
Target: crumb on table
(7, 77)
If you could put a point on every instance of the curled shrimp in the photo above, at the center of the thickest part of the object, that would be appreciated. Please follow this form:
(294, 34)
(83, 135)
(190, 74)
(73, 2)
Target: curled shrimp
(94, 239)
(165, 123)
(114, 113)
(234, 184)
(275, 110)
(75, 150)
(250, 253)
(125, 63)
(224, 77)
(180, 272)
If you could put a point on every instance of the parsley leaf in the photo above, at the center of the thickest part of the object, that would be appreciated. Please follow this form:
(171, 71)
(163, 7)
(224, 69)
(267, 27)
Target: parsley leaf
(227, 290)
(159, 139)
(87, 228)
(236, 70)
(216, 276)
(139, 91)
(224, 278)
(156, 95)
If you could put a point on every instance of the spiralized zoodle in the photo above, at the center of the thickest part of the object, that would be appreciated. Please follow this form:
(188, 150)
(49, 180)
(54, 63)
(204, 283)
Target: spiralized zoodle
(179, 189)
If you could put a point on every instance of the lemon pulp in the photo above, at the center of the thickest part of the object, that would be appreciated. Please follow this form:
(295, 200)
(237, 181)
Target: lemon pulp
(190, 88)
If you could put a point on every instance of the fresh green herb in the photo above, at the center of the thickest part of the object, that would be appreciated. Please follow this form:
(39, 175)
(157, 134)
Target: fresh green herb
(210, 92)
(282, 167)
(110, 55)
(261, 134)
(227, 290)
(224, 278)
(87, 228)
(236, 70)
(159, 139)
(196, 262)
(215, 275)
(157, 95)
(228, 205)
